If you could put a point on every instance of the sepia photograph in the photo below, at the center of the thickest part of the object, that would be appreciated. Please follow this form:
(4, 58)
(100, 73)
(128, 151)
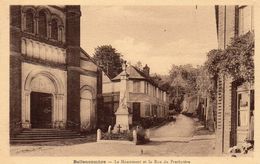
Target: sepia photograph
(132, 81)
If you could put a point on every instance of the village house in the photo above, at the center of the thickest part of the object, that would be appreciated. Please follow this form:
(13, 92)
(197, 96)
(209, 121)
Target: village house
(53, 82)
(145, 99)
(235, 101)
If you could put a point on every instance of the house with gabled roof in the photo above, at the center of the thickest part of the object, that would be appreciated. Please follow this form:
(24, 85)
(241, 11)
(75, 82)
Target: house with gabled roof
(145, 98)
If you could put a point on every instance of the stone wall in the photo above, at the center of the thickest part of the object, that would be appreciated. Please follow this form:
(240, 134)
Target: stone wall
(89, 83)
(226, 25)
(15, 70)
(43, 51)
(227, 29)
(227, 113)
(73, 64)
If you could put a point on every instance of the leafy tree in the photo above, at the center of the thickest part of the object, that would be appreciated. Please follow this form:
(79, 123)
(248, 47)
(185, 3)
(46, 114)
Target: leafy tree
(240, 60)
(108, 59)
(204, 82)
(183, 79)
(180, 81)
(236, 60)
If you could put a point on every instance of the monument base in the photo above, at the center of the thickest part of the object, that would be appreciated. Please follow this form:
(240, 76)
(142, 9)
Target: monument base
(122, 122)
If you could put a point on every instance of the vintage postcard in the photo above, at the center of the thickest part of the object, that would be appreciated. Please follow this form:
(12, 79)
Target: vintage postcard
(134, 82)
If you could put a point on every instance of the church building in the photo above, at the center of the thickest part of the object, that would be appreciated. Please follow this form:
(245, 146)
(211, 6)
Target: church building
(53, 82)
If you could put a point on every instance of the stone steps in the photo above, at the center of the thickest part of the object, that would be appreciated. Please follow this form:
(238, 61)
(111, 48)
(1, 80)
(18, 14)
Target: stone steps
(37, 133)
(43, 135)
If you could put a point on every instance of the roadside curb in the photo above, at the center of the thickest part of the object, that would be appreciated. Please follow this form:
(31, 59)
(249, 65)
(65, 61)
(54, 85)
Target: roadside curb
(203, 137)
(116, 141)
(184, 139)
(172, 139)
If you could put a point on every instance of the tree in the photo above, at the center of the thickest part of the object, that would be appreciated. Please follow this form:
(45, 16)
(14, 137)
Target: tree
(183, 79)
(109, 60)
(204, 82)
(180, 81)
(236, 60)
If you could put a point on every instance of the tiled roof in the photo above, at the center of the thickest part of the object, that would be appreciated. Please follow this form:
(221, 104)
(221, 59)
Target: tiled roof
(135, 73)
(132, 72)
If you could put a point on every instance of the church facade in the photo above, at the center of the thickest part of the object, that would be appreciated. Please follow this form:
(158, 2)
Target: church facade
(53, 82)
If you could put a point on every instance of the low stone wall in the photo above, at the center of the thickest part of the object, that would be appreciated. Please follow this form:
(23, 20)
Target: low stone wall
(135, 136)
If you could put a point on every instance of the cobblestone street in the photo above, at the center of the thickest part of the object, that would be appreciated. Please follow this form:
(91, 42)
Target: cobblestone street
(172, 139)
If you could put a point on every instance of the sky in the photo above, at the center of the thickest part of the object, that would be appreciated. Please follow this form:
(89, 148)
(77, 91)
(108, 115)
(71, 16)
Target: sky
(158, 36)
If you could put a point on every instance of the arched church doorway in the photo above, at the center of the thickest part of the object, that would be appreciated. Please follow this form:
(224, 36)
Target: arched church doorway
(41, 110)
(43, 101)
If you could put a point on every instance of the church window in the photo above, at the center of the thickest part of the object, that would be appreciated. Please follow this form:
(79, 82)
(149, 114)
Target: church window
(42, 24)
(29, 22)
(54, 29)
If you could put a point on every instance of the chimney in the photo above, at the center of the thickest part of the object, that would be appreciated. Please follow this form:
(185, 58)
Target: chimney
(146, 70)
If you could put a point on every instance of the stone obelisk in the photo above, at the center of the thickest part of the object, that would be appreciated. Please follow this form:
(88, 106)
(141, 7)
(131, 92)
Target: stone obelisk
(122, 114)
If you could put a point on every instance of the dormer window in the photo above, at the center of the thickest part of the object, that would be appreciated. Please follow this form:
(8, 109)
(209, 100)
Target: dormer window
(29, 21)
(42, 25)
(54, 29)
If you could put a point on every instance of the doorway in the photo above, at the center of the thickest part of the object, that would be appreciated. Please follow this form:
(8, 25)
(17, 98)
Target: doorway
(41, 110)
(136, 113)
